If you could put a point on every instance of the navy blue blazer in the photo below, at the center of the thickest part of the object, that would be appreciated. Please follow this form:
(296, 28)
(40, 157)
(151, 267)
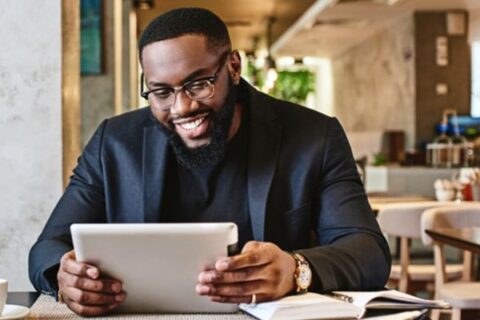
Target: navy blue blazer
(302, 185)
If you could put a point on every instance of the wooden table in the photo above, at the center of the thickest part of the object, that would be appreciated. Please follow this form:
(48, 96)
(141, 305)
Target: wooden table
(465, 238)
(378, 202)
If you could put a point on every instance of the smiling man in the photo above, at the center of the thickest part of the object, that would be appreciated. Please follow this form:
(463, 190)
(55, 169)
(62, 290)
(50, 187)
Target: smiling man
(211, 148)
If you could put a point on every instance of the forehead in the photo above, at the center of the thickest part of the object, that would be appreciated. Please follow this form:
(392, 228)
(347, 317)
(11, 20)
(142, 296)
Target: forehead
(171, 60)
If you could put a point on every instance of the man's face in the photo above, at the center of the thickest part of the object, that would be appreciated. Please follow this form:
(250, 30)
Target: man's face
(176, 62)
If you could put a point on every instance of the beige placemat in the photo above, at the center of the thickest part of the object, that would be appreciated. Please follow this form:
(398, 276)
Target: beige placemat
(47, 308)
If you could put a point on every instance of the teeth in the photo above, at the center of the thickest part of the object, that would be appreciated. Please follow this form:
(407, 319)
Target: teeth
(192, 124)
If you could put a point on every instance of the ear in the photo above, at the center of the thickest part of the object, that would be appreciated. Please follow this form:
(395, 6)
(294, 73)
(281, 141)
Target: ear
(235, 66)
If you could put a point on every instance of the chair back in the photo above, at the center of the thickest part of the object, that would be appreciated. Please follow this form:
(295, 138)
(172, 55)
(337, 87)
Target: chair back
(462, 215)
(458, 216)
(403, 219)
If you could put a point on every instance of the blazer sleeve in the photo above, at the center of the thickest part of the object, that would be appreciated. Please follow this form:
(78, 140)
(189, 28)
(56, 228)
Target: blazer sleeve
(82, 202)
(351, 252)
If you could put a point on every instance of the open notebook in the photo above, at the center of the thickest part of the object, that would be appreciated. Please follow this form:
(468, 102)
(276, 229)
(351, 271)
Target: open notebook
(338, 305)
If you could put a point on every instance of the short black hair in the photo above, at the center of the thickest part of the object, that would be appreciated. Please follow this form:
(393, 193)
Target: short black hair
(182, 21)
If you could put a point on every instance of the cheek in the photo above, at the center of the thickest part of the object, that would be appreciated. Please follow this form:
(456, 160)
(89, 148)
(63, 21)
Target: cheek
(218, 100)
(162, 117)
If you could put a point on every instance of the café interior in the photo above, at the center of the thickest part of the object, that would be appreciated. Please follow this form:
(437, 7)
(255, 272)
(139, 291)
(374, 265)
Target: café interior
(401, 76)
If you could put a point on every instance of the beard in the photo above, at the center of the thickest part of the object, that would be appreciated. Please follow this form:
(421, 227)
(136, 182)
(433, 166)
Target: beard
(213, 152)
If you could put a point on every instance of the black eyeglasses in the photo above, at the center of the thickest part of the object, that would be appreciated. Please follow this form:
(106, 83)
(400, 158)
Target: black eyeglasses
(198, 89)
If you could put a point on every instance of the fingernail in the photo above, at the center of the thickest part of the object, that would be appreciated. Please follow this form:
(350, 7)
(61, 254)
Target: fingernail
(208, 276)
(92, 272)
(222, 264)
(116, 287)
(120, 297)
(202, 277)
(202, 289)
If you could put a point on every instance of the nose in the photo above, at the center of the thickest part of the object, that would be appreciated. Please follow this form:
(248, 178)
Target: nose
(183, 105)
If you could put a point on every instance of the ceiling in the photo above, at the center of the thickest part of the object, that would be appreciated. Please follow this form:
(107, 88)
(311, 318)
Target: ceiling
(329, 27)
(246, 19)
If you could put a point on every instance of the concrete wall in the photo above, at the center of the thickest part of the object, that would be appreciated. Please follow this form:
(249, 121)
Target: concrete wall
(30, 128)
(389, 81)
(374, 83)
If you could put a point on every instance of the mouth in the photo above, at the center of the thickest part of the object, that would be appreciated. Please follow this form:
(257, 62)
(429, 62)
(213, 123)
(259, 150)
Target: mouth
(194, 127)
(192, 122)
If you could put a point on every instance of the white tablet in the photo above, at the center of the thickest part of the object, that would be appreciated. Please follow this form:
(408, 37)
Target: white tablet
(158, 263)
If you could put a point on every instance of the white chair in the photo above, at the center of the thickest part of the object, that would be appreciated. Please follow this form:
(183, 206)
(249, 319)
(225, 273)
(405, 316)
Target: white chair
(403, 220)
(465, 294)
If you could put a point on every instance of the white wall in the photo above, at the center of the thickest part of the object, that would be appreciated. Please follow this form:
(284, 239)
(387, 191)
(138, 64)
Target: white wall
(474, 36)
(30, 128)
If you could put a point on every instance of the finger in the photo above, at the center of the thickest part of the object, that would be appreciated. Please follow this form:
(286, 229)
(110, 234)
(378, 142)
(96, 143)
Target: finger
(241, 275)
(252, 245)
(239, 299)
(92, 298)
(232, 290)
(87, 284)
(70, 265)
(253, 257)
(90, 311)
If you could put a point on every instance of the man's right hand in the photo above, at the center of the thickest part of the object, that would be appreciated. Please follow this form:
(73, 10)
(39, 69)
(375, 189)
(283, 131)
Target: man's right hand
(82, 289)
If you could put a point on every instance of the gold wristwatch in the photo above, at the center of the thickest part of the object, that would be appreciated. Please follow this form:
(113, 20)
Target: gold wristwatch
(303, 273)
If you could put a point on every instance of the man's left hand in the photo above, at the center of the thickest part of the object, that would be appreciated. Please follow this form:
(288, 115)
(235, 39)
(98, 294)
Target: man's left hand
(261, 268)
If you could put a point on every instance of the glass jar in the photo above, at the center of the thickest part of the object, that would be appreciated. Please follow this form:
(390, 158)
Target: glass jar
(439, 152)
(460, 154)
(439, 155)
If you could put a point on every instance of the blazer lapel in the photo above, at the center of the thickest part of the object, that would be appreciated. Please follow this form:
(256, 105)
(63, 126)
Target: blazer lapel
(264, 142)
(153, 175)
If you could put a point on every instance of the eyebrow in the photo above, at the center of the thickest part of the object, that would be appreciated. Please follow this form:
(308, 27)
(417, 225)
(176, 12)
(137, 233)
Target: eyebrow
(189, 78)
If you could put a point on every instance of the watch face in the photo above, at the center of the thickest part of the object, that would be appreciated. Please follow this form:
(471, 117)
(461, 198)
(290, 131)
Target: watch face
(304, 277)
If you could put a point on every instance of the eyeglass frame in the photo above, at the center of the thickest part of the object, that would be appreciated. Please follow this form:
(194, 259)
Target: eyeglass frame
(211, 81)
